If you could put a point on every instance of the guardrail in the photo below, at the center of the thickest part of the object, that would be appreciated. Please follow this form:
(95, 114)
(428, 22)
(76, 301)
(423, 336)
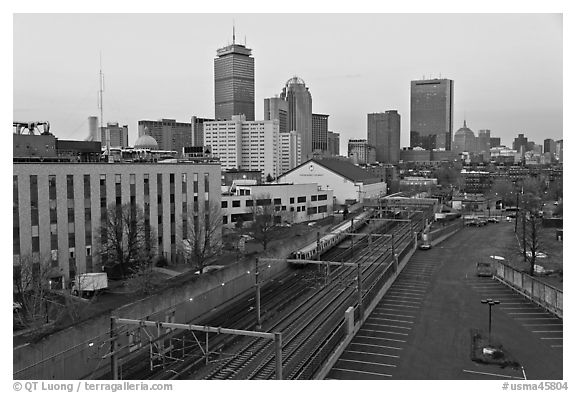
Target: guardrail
(539, 292)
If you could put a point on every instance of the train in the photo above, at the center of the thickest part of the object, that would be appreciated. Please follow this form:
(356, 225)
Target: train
(335, 236)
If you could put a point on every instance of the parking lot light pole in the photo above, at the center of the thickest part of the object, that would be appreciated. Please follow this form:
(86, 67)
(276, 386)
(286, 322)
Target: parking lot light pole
(490, 303)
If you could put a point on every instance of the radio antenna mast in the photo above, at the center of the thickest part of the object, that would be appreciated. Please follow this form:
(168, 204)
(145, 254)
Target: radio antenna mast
(101, 107)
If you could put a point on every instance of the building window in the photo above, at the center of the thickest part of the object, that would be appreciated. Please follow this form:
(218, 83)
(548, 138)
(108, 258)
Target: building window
(314, 198)
(322, 197)
(322, 209)
(291, 200)
(277, 201)
(224, 204)
(235, 203)
(263, 202)
(301, 199)
(249, 202)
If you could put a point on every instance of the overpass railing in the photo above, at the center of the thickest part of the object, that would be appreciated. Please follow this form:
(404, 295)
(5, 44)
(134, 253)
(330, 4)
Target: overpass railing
(545, 295)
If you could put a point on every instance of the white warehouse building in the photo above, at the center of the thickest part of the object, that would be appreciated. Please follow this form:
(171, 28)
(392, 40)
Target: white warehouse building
(348, 182)
(293, 203)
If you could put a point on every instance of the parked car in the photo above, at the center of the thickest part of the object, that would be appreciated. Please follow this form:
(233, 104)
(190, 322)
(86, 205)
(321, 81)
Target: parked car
(484, 269)
(493, 219)
(425, 246)
(482, 222)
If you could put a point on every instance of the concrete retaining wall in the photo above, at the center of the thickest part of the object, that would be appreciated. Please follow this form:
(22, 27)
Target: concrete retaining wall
(54, 358)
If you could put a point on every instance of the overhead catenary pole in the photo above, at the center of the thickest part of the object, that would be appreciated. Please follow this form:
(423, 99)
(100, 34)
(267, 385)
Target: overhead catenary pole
(278, 354)
(257, 279)
(113, 345)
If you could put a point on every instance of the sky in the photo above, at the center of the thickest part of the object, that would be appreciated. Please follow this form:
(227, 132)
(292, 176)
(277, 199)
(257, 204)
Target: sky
(507, 68)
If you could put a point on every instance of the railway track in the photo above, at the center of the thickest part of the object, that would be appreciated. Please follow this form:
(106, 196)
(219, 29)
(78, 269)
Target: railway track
(305, 314)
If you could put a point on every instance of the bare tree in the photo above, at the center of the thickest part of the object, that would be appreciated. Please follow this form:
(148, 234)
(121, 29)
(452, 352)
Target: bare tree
(265, 220)
(202, 235)
(32, 289)
(126, 241)
(531, 227)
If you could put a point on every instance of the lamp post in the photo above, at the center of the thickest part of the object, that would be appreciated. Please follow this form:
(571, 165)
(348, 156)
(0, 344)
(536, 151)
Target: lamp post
(490, 303)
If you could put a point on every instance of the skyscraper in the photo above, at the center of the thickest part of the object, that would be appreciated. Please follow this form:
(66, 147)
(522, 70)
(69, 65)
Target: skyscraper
(277, 108)
(483, 141)
(431, 113)
(299, 112)
(333, 143)
(520, 144)
(384, 135)
(319, 132)
(549, 146)
(234, 82)
(198, 130)
(465, 140)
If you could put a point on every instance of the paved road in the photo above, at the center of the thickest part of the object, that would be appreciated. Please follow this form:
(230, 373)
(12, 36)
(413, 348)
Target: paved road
(421, 329)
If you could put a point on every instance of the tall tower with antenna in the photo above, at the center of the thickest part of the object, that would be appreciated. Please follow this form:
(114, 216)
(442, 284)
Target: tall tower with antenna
(234, 81)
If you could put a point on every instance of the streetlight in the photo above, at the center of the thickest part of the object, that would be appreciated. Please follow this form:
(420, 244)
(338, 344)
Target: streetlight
(490, 303)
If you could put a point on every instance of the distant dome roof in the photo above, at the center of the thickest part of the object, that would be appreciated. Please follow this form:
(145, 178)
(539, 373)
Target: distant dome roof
(295, 81)
(146, 142)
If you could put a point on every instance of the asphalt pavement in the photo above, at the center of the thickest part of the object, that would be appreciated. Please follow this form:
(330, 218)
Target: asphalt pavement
(422, 328)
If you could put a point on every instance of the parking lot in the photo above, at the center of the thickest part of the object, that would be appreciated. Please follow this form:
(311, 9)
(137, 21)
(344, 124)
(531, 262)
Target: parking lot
(422, 327)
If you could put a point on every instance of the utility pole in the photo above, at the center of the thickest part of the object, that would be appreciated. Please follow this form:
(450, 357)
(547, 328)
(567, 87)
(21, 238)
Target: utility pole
(113, 345)
(516, 215)
(360, 306)
(257, 279)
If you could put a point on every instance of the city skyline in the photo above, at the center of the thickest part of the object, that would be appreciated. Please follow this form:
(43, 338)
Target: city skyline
(508, 92)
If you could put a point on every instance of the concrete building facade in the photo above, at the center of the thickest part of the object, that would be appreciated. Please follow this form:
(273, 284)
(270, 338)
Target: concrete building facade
(234, 82)
(361, 152)
(197, 124)
(277, 108)
(384, 135)
(293, 203)
(431, 113)
(243, 144)
(58, 207)
(333, 143)
(168, 133)
(118, 135)
(290, 150)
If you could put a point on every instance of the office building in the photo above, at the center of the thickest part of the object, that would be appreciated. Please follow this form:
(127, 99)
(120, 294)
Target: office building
(277, 108)
(245, 145)
(549, 146)
(299, 112)
(234, 82)
(361, 152)
(319, 132)
(431, 113)
(118, 135)
(333, 143)
(483, 141)
(290, 150)
(168, 133)
(464, 140)
(495, 142)
(384, 135)
(560, 150)
(197, 124)
(58, 208)
(520, 144)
